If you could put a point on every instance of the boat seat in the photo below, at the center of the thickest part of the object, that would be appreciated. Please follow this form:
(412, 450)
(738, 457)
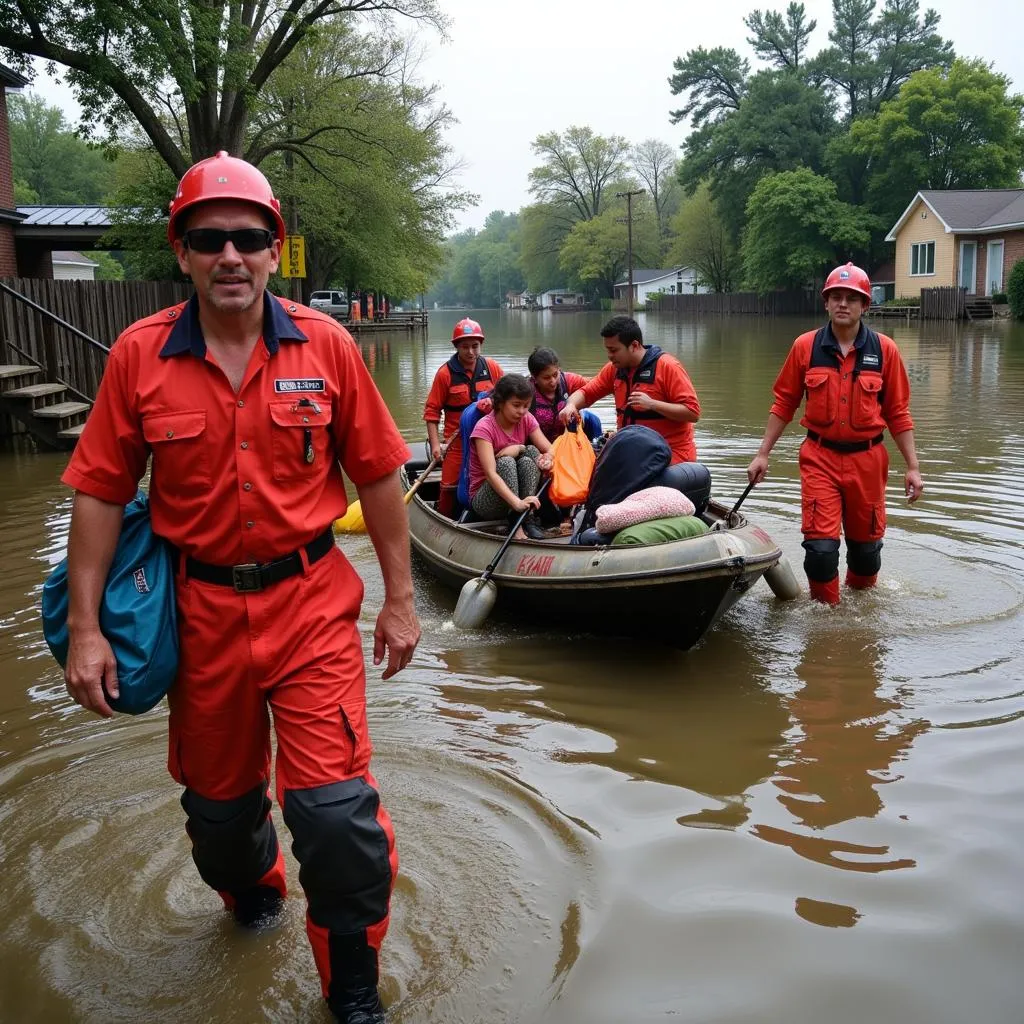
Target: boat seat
(693, 479)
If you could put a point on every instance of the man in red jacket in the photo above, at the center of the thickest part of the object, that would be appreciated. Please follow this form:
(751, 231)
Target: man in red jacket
(247, 407)
(650, 387)
(856, 386)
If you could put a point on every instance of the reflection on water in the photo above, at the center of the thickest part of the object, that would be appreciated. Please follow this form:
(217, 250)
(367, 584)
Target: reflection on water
(593, 830)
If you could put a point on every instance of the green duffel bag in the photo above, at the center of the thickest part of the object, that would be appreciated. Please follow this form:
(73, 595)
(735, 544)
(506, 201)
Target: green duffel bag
(661, 531)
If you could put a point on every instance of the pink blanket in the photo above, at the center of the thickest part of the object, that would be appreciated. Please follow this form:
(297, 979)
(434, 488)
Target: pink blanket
(650, 503)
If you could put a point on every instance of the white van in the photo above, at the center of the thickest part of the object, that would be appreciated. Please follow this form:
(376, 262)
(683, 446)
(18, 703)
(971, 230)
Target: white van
(333, 303)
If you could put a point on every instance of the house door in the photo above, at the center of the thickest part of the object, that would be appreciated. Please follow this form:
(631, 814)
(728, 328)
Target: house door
(994, 268)
(968, 266)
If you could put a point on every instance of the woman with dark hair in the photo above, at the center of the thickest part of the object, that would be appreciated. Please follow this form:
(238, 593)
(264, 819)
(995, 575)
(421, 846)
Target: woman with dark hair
(552, 389)
(509, 454)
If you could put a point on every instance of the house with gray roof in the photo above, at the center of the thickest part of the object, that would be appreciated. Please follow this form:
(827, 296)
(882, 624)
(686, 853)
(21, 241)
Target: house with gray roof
(970, 237)
(669, 280)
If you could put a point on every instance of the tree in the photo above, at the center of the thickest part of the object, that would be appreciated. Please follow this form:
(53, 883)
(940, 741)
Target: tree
(780, 125)
(576, 168)
(870, 58)
(594, 254)
(50, 161)
(186, 73)
(1015, 290)
(654, 162)
(796, 226)
(955, 129)
(703, 242)
(543, 234)
(781, 41)
(716, 81)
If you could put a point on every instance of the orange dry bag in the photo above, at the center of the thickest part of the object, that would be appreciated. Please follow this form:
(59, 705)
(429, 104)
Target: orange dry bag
(573, 459)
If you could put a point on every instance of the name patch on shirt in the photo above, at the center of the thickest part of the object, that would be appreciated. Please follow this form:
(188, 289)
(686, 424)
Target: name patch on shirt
(291, 385)
(139, 577)
(645, 376)
(870, 359)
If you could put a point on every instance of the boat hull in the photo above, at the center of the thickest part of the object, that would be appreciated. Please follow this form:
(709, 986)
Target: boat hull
(672, 592)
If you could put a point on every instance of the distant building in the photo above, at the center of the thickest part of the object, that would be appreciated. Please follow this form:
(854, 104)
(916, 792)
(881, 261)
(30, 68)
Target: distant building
(883, 282)
(560, 297)
(671, 281)
(72, 266)
(969, 237)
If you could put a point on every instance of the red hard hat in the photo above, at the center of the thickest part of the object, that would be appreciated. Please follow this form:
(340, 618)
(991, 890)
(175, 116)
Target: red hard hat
(850, 277)
(466, 329)
(224, 177)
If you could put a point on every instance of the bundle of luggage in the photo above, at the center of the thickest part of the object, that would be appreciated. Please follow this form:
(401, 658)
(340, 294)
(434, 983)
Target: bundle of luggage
(636, 497)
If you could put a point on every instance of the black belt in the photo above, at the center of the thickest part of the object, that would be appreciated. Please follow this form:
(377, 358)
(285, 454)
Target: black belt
(845, 446)
(254, 576)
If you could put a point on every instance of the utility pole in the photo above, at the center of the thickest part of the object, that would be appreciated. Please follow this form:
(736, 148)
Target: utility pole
(628, 196)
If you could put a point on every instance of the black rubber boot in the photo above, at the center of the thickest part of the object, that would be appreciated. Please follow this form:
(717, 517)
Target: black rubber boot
(533, 529)
(352, 994)
(258, 907)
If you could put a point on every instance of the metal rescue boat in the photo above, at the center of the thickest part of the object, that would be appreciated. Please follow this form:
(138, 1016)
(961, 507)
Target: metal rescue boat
(672, 592)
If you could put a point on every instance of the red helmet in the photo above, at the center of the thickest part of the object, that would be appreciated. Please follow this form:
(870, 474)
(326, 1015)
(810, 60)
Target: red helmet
(224, 177)
(466, 329)
(850, 277)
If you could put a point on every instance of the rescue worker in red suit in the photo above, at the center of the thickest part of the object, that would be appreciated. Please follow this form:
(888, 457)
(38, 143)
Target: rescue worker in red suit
(457, 385)
(855, 385)
(247, 404)
(650, 387)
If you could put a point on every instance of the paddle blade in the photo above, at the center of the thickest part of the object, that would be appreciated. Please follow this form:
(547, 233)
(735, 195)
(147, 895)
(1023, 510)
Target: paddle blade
(352, 521)
(475, 603)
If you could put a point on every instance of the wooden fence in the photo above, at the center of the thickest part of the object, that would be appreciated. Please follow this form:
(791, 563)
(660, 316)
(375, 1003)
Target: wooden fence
(943, 303)
(100, 309)
(739, 303)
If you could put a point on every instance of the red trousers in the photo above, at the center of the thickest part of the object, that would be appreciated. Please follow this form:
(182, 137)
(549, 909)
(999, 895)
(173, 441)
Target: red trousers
(293, 651)
(840, 490)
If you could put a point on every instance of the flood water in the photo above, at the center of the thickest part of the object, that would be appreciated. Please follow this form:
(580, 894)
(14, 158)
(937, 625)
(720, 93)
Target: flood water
(816, 815)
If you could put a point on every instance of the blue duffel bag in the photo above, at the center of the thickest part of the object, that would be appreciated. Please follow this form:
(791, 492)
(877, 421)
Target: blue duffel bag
(137, 614)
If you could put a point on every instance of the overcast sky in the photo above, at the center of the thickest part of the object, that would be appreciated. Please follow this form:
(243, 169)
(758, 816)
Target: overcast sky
(510, 71)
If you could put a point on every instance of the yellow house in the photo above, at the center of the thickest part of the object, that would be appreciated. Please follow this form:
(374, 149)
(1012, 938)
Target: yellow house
(970, 238)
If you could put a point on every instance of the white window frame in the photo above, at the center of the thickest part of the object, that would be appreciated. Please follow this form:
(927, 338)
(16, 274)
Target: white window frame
(964, 244)
(989, 290)
(922, 273)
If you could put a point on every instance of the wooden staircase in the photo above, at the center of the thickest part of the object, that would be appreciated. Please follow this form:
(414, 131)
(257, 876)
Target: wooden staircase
(47, 410)
(979, 307)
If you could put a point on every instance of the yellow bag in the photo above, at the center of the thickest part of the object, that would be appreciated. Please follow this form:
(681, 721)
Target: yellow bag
(573, 460)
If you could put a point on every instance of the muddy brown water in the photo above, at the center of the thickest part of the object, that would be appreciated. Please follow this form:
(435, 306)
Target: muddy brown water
(814, 816)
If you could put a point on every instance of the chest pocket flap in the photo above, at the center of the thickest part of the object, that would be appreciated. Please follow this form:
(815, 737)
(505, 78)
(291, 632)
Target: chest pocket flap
(305, 417)
(300, 441)
(870, 382)
(173, 426)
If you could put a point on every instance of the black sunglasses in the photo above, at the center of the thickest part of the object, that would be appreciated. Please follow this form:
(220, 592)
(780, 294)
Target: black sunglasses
(211, 240)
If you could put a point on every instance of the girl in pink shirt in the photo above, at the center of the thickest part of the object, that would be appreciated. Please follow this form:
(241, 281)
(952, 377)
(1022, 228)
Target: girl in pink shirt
(509, 452)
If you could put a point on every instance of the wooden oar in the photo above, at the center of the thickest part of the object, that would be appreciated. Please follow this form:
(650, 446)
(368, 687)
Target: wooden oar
(479, 594)
(353, 522)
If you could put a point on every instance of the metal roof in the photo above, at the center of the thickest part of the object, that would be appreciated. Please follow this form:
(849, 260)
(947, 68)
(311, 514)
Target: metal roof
(66, 216)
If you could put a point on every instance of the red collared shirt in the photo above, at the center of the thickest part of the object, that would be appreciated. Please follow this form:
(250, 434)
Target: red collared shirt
(237, 477)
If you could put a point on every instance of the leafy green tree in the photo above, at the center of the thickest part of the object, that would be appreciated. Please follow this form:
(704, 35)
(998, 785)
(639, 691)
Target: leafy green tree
(781, 124)
(50, 160)
(595, 254)
(870, 58)
(543, 233)
(576, 169)
(955, 129)
(715, 81)
(1015, 290)
(24, 193)
(654, 163)
(781, 40)
(796, 227)
(702, 241)
(187, 74)
(108, 268)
